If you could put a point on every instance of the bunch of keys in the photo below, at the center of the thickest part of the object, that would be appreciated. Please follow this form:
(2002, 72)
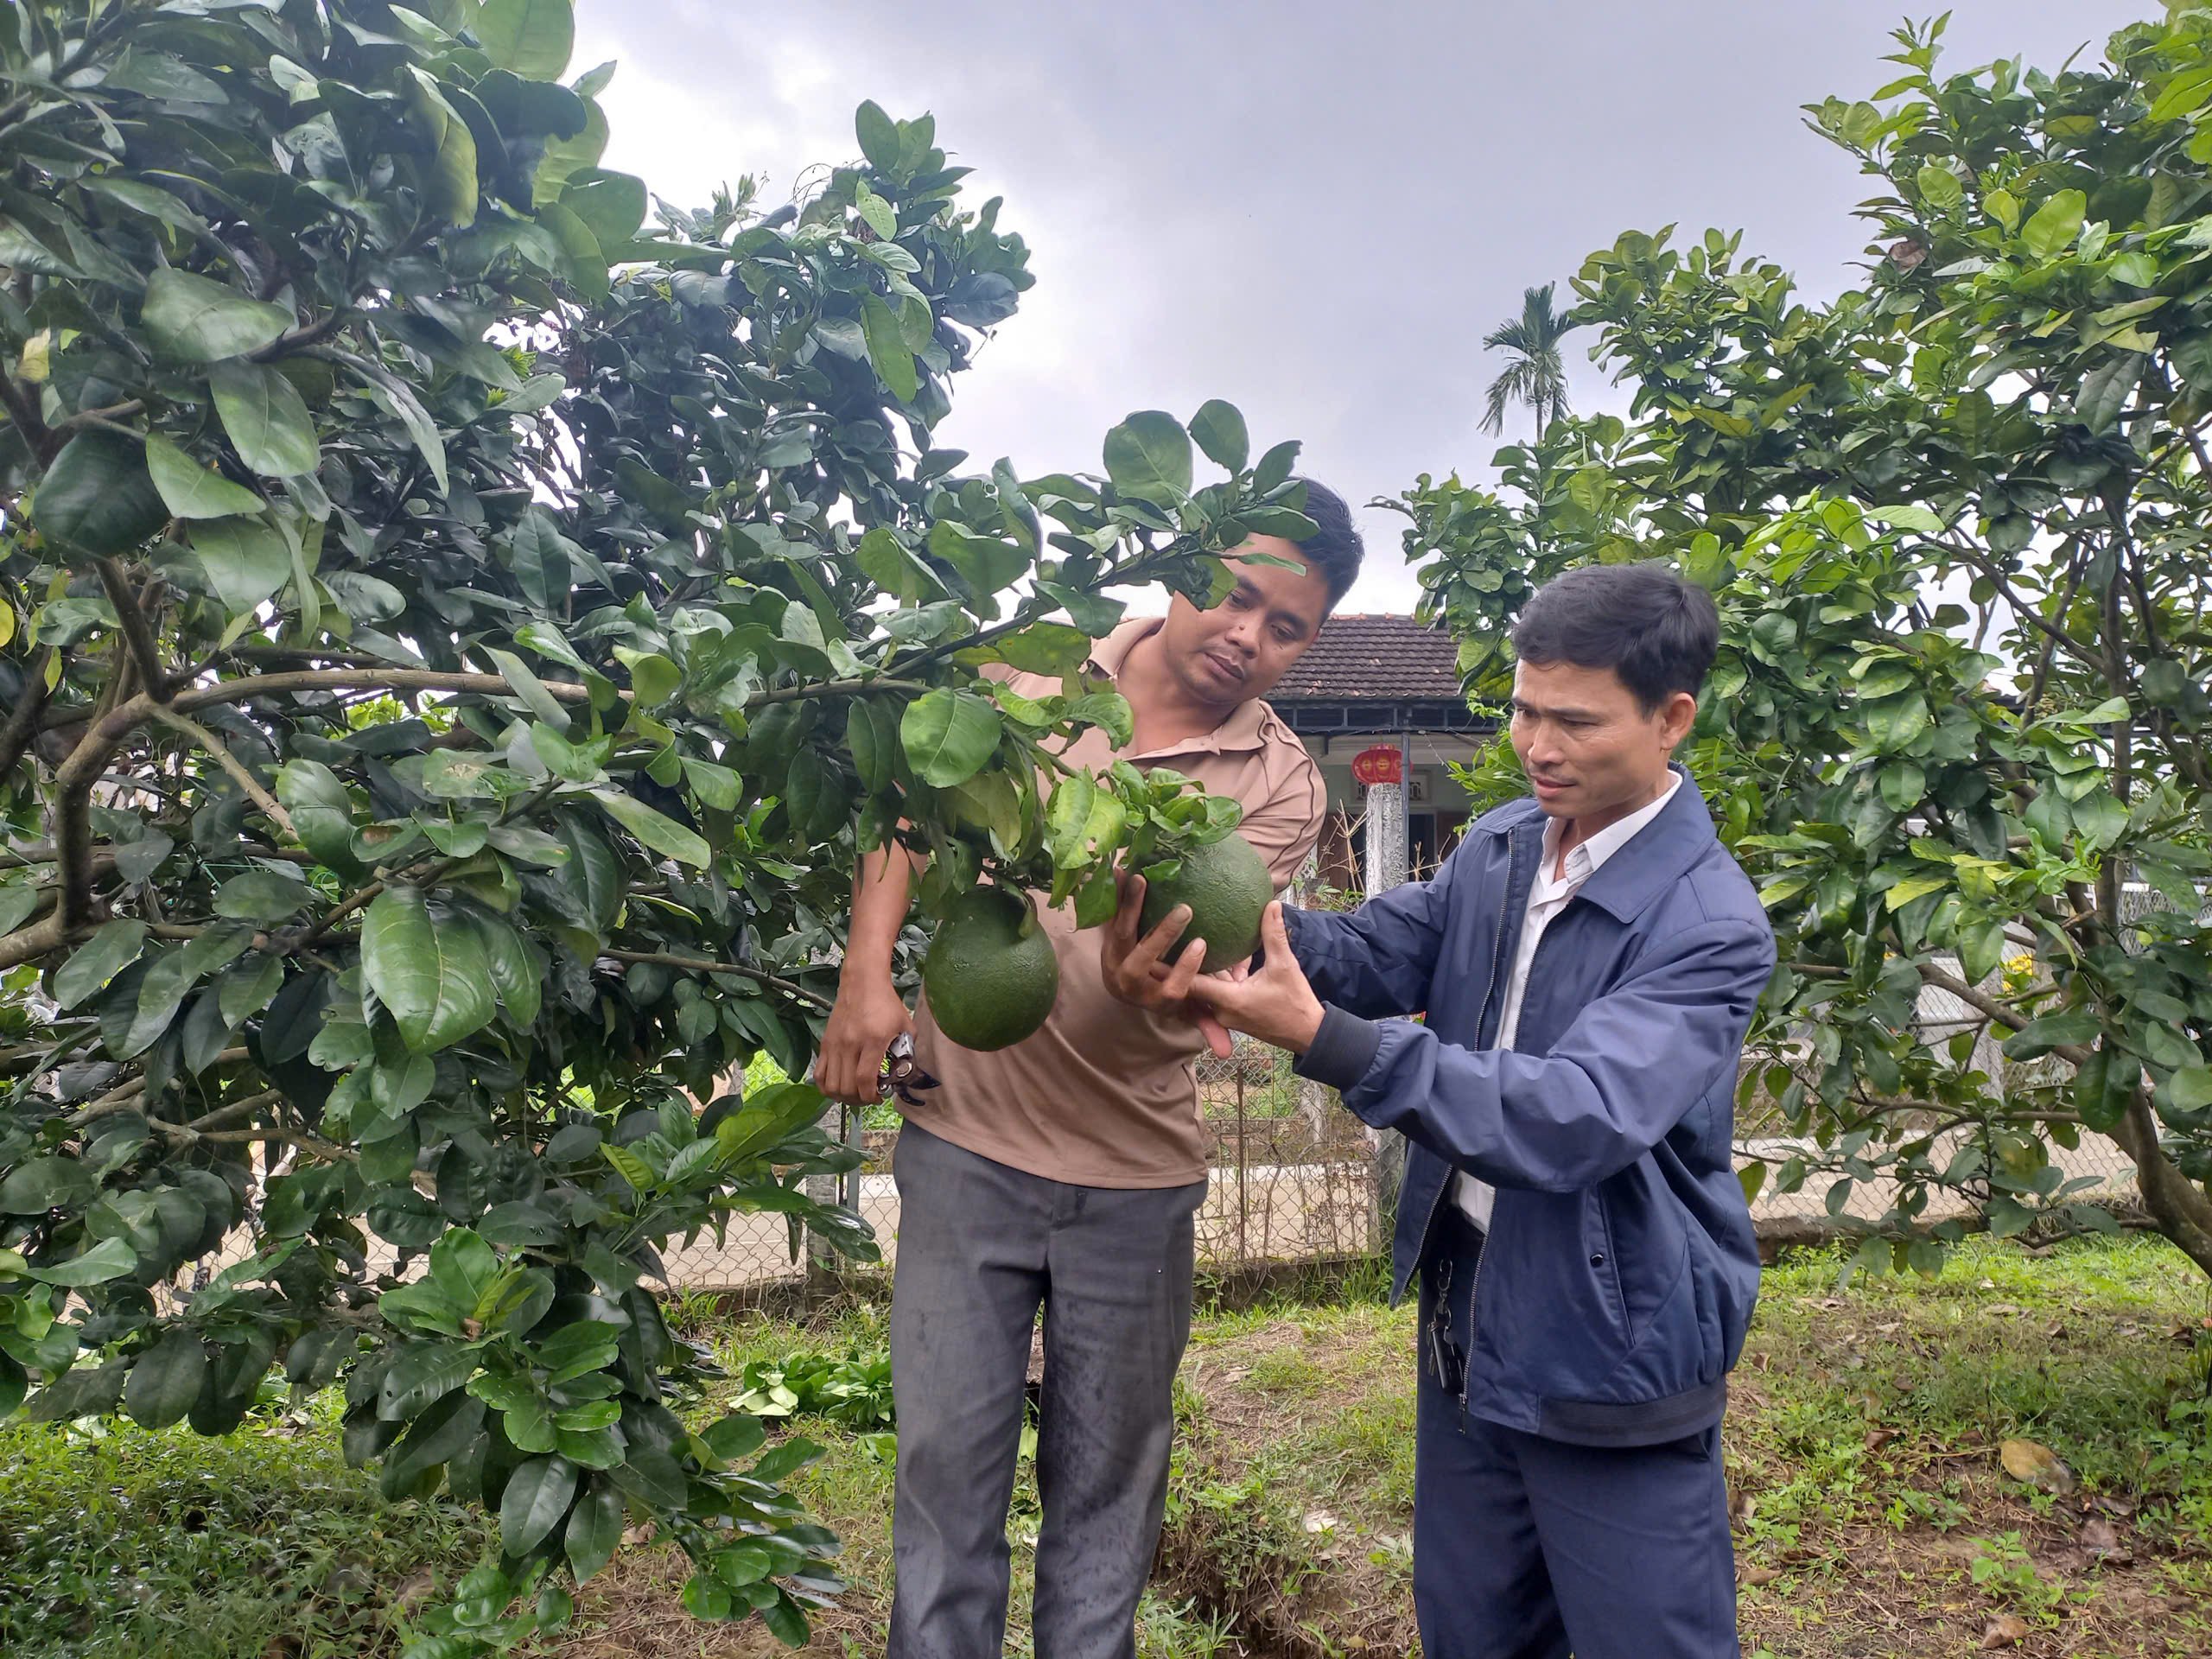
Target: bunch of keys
(902, 1074)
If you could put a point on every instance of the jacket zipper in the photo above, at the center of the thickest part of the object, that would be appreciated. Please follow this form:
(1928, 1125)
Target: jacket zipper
(1475, 1287)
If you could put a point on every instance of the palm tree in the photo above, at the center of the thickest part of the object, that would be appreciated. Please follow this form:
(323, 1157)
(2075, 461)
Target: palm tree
(1535, 376)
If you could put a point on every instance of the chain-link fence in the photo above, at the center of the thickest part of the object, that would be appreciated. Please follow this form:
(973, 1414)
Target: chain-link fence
(1295, 1179)
(1292, 1177)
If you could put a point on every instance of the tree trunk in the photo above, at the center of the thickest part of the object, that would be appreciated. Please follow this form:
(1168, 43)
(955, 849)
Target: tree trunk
(2179, 1207)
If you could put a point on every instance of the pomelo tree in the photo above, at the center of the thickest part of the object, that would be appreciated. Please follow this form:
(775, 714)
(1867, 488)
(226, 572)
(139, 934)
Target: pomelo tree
(1959, 524)
(457, 636)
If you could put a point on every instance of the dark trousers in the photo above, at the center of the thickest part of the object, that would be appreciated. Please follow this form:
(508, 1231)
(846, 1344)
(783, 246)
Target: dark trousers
(1532, 1549)
(981, 1247)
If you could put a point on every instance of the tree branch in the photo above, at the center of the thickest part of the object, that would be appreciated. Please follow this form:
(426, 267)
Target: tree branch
(699, 965)
(233, 767)
(298, 340)
(22, 409)
(29, 943)
(23, 724)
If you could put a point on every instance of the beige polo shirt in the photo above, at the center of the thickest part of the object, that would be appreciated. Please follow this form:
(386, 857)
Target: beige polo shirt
(1106, 1094)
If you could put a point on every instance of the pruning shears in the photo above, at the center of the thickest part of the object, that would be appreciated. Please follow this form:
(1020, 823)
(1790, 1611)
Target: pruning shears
(902, 1074)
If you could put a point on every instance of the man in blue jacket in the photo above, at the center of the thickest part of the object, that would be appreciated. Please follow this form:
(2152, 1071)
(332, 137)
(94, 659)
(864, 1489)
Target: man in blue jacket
(1588, 960)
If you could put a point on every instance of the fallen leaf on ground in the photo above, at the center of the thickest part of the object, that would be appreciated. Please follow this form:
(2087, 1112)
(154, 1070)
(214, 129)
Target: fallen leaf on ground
(1761, 1574)
(2101, 1539)
(1879, 1438)
(2037, 1465)
(2006, 1632)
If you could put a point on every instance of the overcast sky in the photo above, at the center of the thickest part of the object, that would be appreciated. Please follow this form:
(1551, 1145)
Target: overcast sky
(1313, 208)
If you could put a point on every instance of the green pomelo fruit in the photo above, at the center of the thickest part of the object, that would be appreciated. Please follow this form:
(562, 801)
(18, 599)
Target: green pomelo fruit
(1227, 887)
(991, 974)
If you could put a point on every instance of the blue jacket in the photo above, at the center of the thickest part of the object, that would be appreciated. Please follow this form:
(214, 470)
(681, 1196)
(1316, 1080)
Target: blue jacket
(1619, 1272)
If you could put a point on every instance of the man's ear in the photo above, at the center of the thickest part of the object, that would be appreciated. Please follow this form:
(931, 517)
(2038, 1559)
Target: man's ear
(1676, 719)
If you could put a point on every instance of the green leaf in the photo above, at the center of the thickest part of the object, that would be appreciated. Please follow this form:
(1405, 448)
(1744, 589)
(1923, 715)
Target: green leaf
(420, 1373)
(1047, 648)
(631, 1167)
(171, 976)
(872, 734)
(266, 418)
(611, 206)
(463, 1266)
(395, 395)
(166, 1380)
(516, 974)
(2039, 1037)
(2054, 224)
(192, 320)
(948, 735)
(18, 904)
(244, 562)
(888, 349)
(1918, 887)
(439, 1435)
(449, 192)
(109, 1259)
(2104, 390)
(1940, 187)
(883, 560)
(1907, 515)
(533, 38)
(263, 896)
(1149, 457)
(432, 976)
(576, 1350)
(2190, 1089)
(248, 986)
(538, 555)
(38, 1185)
(320, 811)
(881, 217)
(112, 947)
(552, 714)
(987, 565)
(1274, 470)
(659, 834)
(582, 763)
(878, 137)
(191, 491)
(97, 497)
(595, 1531)
(785, 1622)
(1218, 429)
(706, 1596)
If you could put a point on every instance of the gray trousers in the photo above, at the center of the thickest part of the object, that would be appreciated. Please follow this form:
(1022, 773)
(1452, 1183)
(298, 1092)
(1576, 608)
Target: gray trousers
(981, 1247)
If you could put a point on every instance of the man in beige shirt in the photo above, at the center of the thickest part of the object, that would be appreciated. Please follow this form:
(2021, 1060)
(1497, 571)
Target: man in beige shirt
(1064, 1171)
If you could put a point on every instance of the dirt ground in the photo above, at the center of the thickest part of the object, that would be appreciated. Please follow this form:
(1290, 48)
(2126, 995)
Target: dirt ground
(1867, 1451)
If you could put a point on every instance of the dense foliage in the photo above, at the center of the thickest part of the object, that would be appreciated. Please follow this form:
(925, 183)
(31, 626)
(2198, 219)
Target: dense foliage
(456, 639)
(1959, 522)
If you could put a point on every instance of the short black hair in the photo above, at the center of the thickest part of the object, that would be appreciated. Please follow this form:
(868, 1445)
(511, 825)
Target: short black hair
(1655, 630)
(1335, 549)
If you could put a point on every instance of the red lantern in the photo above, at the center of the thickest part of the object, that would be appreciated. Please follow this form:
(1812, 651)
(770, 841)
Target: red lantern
(1382, 764)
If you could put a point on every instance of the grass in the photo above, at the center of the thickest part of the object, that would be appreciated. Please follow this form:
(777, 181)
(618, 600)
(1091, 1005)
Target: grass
(1865, 1453)
(116, 1543)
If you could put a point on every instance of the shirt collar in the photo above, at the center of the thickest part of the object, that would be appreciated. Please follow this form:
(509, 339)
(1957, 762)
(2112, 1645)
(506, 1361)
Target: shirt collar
(1243, 731)
(1589, 855)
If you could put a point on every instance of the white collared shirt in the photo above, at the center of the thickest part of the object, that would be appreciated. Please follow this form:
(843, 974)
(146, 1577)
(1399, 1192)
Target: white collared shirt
(1557, 882)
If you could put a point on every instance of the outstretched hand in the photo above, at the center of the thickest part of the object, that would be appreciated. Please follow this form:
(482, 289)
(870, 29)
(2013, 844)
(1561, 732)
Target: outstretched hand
(1275, 1004)
(1141, 972)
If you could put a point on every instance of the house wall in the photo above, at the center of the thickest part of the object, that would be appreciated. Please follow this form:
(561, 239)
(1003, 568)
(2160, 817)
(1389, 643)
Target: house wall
(1438, 812)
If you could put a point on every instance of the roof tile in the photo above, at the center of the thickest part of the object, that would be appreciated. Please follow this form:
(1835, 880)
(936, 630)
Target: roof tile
(1366, 658)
